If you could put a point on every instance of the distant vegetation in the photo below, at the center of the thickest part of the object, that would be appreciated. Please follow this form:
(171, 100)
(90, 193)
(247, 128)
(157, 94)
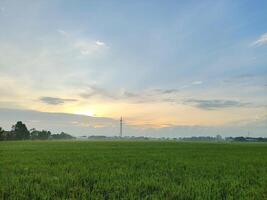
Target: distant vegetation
(246, 139)
(217, 138)
(19, 131)
(228, 139)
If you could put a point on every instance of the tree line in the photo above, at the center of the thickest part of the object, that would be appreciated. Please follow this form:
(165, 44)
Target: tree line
(19, 131)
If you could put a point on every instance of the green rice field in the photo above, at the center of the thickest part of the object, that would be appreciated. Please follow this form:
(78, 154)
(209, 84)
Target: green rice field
(132, 170)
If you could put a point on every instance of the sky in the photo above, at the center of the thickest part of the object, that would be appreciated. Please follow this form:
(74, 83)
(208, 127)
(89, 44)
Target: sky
(170, 68)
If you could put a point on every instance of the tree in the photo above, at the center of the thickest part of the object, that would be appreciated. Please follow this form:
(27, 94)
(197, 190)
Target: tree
(44, 135)
(62, 136)
(39, 135)
(2, 134)
(34, 134)
(20, 130)
(9, 135)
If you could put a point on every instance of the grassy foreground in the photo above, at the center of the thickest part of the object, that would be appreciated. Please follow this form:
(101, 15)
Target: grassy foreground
(132, 170)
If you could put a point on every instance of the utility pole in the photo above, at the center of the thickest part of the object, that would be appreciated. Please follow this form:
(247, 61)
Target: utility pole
(121, 127)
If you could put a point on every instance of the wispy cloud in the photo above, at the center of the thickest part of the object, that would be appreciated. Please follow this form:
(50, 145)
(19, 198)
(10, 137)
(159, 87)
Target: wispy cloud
(93, 91)
(55, 100)
(166, 91)
(144, 96)
(262, 40)
(86, 46)
(63, 33)
(96, 91)
(192, 84)
(214, 103)
(99, 43)
(239, 78)
(89, 48)
(196, 82)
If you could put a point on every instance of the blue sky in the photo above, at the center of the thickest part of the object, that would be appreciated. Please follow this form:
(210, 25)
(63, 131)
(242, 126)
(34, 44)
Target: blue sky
(159, 64)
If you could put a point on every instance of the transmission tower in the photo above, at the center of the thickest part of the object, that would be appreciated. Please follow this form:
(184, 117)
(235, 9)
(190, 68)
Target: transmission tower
(121, 127)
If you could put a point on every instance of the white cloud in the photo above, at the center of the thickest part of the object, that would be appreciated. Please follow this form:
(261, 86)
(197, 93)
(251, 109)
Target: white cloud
(196, 82)
(262, 40)
(89, 47)
(85, 46)
(99, 43)
(189, 85)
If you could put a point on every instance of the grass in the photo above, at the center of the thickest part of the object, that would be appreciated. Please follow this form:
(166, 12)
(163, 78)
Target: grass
(132, 170)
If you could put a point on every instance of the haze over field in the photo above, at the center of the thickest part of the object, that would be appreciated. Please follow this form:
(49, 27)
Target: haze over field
(172, 69)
